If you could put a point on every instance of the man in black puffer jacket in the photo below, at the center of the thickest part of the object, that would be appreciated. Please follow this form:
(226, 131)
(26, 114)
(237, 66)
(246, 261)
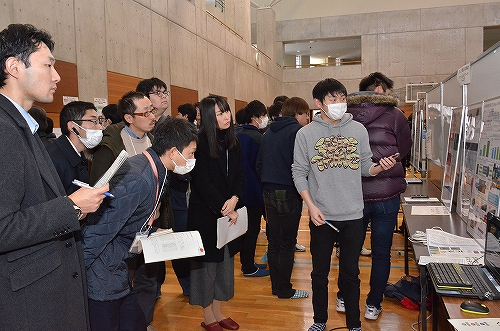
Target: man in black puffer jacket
(389, 134)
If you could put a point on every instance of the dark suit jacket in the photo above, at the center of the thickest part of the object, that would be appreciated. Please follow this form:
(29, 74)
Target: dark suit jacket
(68, 163)
(210, 188)
(42, 278)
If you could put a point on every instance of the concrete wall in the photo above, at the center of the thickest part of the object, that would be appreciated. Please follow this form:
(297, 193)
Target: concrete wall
(174, 40)
(410, 46)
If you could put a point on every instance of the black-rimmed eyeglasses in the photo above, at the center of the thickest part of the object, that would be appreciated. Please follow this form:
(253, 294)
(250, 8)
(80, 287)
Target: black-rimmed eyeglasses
(160, 93)
(100, 120)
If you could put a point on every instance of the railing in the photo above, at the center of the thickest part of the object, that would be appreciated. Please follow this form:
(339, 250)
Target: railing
(341, 63)
(223, 24)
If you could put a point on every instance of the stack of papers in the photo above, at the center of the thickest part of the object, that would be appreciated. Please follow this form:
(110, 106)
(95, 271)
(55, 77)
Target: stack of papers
(447, 247)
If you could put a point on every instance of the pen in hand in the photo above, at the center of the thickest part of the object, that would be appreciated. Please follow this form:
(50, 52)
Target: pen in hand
(82, 184)
(331, 225)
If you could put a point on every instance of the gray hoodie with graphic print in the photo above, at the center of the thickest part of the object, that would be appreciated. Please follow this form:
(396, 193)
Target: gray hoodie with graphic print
(329, 161)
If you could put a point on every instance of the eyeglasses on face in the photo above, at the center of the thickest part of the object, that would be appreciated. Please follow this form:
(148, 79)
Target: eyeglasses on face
(147, 113)
(100, 120)
(160, 93)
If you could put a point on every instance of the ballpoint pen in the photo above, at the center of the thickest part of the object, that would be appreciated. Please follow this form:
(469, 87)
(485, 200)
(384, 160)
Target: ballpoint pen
(332, 226)
(82, 184)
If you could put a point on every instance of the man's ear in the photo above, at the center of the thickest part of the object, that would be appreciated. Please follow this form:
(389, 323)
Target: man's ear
(318, 103)
(12, 66)
(128, 118)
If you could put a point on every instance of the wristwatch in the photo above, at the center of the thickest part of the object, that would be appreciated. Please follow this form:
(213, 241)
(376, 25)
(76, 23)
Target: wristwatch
(78, 211)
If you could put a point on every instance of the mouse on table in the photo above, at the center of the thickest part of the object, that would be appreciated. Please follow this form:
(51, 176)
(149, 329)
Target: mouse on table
(474, 307)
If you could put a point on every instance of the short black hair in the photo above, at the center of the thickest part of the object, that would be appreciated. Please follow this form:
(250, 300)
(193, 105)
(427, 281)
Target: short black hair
(126, 104)
(146, 86)
(274, 110)
(20, 41)
(254, 108)
(328, 86)
(280, 98)
(189, 110)
(111, 112)
(370, 82)
(174, 132)
(73, 111)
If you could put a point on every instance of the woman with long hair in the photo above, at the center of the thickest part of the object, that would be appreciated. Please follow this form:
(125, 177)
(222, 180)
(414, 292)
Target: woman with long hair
(216, 188)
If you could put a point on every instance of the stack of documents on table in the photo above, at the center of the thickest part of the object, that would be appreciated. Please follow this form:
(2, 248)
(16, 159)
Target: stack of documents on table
(414, 199)
(447, 247)
(228, 231)
(166, 245)
(430, 210)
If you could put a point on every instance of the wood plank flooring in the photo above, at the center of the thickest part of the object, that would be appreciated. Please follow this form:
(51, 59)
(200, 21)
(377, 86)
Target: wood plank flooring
(255, 308)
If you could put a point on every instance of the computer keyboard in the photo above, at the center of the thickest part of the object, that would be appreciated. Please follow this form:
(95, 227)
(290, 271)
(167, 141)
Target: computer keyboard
(449, 275)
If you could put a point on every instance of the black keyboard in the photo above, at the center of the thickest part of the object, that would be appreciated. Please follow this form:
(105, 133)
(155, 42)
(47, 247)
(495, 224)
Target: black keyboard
(449, 275)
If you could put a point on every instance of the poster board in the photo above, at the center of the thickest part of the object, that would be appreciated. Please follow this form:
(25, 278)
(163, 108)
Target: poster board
(486, 185)
(434, 125)
(452, 156)
(468, 148)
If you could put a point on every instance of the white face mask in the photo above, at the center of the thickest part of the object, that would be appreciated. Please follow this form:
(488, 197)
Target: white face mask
(93, 139)
(336, 110)
(263, 124)
(184, 169)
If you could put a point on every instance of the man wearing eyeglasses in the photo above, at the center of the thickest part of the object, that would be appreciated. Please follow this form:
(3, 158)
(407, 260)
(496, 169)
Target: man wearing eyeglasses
(132, 135)
(81, 129)
(156, 90)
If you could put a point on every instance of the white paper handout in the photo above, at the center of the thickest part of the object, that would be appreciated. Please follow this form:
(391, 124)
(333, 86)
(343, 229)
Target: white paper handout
(429, 210)
(441, 243)
(167, 245)
(483, 324)
(226, 231)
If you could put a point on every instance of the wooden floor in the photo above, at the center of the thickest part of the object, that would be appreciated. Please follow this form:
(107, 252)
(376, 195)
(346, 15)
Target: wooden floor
(256, 309)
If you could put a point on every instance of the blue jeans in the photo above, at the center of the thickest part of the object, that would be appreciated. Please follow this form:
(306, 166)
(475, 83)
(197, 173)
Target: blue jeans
(383, 216)
(350, 239)
(283, 218)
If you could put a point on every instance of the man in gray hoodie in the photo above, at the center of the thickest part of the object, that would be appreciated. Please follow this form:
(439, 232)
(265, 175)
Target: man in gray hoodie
(331, 154)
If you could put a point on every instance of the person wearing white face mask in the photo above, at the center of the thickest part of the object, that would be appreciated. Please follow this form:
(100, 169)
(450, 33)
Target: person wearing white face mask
(138, 187)
(331, 154)
(254, 117)
(81, 129)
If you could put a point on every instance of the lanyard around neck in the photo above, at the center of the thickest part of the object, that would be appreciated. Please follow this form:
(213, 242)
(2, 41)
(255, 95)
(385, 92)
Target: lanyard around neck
(150, 220)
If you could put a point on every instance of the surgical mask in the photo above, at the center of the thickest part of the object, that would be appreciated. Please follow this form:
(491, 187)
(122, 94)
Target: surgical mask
(93, 139)
(263, 123)
(184, 169)
(336, 110)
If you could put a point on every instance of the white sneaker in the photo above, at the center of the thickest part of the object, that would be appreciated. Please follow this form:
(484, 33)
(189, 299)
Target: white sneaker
(340, 305)
(299, 248)
(365, 251)
(372, 312)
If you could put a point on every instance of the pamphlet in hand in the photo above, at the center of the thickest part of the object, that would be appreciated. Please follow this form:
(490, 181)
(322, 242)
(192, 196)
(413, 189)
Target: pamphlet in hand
(227, 231)
(166, 245)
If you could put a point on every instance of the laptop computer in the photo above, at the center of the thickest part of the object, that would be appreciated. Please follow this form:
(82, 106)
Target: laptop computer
(485, 279)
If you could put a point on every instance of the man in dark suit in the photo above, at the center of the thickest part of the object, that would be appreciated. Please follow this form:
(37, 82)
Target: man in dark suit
(81, 129)
(42, 279)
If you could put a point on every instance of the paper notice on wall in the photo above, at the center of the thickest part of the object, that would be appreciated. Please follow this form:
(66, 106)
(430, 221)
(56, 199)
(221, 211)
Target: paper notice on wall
(68, 99)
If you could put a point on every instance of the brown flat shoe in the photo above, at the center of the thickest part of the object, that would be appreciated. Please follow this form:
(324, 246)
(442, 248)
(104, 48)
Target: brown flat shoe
(212, 326)
(229, 324)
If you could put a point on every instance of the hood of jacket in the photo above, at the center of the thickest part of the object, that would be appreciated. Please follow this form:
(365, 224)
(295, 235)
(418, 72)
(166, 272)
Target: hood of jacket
(367, 106)
(281, 122)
